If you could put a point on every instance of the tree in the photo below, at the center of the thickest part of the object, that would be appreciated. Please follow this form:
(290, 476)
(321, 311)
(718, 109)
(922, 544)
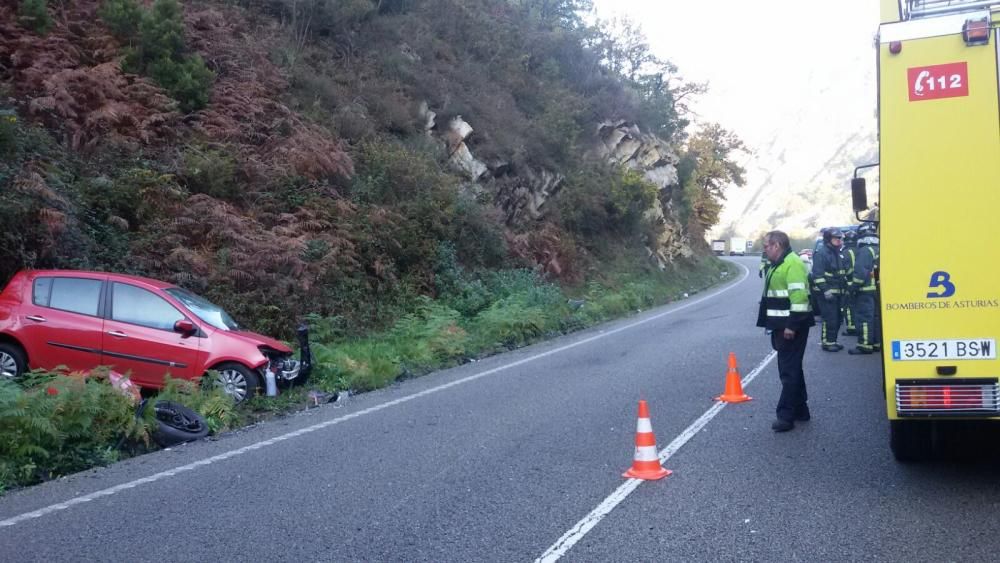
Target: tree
(706, 169)
(624, 51)
(556, 13)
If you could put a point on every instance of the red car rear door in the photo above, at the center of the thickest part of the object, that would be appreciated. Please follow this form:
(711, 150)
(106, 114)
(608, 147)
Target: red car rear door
(61, 323)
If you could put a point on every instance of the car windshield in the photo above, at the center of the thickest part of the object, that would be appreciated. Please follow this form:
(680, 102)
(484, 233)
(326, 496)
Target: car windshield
(206, 311)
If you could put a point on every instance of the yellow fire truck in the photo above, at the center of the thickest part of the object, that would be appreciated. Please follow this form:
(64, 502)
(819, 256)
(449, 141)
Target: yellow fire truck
(939, 216)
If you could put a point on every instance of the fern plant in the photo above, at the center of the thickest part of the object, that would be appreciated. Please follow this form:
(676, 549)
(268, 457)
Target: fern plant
(54, 424)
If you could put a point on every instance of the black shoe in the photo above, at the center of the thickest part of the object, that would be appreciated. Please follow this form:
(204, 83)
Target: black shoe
(857, 351)
(782, 425)
(832, 347)
(803, 416)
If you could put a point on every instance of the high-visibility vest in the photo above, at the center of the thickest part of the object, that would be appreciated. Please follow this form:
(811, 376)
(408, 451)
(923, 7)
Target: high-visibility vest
(785, 303)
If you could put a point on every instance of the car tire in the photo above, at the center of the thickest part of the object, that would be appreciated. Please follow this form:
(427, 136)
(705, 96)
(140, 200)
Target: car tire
(238, 381)
(176, 424)
(12, 362)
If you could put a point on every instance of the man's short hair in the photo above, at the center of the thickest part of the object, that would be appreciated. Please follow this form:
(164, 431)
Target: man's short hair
(779, 237)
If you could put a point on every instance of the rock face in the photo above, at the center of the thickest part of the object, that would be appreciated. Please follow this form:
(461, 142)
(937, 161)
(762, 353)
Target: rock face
(623, 143)
(522, 192)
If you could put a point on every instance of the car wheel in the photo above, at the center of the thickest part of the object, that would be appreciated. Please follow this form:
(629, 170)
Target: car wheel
(176, 424)
(12, 363)
(238, 381)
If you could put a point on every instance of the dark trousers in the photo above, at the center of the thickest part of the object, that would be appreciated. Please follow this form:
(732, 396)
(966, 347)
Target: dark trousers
(792, 402)
(869, 327)
(848, 312)
(830, 311)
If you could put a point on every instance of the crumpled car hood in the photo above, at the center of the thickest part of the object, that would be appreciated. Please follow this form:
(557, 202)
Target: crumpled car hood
(259, 340)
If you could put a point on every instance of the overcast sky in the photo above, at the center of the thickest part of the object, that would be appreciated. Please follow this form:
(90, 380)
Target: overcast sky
(758, 56)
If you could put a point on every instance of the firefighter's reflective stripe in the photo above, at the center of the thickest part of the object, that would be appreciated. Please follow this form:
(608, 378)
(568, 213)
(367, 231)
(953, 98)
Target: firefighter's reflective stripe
(796, 285)
(800, 307)
(779, 312)
(777, 293)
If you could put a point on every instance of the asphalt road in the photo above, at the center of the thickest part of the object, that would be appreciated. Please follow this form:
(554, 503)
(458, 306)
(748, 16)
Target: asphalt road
(499, 459)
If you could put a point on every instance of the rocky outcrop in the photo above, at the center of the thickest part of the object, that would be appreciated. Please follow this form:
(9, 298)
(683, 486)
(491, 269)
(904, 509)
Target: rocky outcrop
(625, 144)
(524, 195)
(522, 192)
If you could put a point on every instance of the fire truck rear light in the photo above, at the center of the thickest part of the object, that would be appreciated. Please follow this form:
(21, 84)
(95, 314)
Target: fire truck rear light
(895, 47)
(976, 32)
(923, 398)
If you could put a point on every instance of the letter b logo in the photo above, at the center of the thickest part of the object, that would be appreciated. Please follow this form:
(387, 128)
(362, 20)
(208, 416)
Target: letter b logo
(941, 280)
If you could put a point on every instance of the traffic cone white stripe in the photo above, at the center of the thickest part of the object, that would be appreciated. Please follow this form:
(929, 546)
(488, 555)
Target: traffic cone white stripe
(645, 463)
(644, 426)
(646, 453)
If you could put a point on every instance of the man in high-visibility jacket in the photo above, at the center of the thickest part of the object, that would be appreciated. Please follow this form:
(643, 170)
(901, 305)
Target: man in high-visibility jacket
(865, 285)
(785, 313)
(829, 275)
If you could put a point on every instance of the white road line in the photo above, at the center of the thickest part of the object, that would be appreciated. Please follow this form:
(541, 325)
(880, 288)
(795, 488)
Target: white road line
(258, 445)
(576, 533)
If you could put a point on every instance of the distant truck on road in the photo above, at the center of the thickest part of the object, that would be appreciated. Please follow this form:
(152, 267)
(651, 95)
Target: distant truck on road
(737, 246)
(719, 247)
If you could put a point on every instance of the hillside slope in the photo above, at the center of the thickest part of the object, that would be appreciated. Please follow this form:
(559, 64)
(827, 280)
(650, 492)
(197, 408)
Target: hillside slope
(287, 157)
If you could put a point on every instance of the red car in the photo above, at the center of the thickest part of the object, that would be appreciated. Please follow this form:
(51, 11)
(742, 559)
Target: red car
(139, 326)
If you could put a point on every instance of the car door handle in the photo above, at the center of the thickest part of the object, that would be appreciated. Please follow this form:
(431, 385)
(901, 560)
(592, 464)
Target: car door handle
(35, 318)
(117, 333)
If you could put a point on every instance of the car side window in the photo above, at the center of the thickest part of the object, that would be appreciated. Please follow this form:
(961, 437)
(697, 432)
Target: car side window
(134, 305)
(76, 295)
(41, 291)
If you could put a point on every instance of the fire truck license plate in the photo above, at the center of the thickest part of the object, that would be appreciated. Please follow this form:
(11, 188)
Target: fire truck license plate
(965, 349)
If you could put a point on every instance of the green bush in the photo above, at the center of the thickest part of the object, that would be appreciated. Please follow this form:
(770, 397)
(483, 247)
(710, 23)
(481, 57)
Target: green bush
(54, 424)
(631, 196)
(604, 199)
(123, 18)
(159, 50)
(210, 401)
(188, 81)
(428, 337)
(34, 14)
(511, 323)
(161, 32)
(210, 171)
(362, 365)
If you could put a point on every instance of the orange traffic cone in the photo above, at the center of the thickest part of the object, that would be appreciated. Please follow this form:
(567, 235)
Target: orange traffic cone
(646, 463)
(734, 389)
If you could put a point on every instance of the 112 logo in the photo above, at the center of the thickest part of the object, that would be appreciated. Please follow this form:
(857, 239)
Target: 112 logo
(938, 81)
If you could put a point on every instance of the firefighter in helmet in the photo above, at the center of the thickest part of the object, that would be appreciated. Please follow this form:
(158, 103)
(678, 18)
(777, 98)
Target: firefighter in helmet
(829, 274)
(865, 284)
(847, 308)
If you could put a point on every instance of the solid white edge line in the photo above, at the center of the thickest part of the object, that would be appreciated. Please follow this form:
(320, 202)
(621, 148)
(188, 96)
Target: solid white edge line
(576, 533)
(258, 445)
